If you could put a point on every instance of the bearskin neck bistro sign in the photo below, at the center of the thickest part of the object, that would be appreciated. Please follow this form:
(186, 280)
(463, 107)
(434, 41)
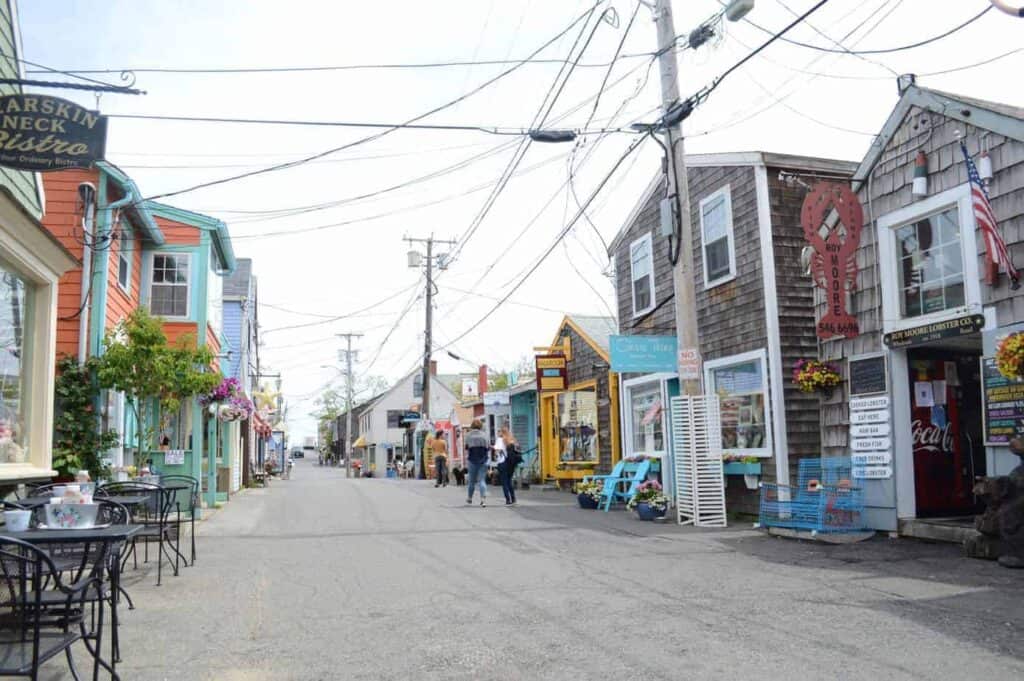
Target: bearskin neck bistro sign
(43, 133)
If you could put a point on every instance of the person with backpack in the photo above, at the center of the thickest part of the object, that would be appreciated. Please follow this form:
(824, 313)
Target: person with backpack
(478, 448)
(507, 467)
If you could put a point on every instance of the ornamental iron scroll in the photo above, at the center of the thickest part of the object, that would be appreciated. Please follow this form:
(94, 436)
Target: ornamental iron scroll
(832, 219)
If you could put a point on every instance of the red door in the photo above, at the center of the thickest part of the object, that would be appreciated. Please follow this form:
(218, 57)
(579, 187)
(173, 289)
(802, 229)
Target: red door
(942, 471)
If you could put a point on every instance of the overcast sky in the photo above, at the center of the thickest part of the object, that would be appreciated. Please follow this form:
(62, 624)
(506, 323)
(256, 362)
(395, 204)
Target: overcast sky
(788, 99)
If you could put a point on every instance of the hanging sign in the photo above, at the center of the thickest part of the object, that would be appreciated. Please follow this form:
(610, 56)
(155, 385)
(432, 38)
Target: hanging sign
(1003, 402)
(689, 364)
(872, 472)
(835, 242)
(951, 328)
(42, 133)
(868, 375)
(871, 458)
(643, 354)
(552, 373)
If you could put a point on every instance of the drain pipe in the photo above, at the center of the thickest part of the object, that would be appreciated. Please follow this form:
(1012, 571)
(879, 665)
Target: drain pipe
(87, 195)
(104, 232)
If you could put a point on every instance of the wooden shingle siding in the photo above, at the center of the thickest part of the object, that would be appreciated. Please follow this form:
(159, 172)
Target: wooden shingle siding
(889, 190)
(20, 183)
(587, 365)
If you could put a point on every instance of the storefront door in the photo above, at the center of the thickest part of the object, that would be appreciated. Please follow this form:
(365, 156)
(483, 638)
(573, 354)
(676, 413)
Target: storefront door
(946, 430)
(550, 444)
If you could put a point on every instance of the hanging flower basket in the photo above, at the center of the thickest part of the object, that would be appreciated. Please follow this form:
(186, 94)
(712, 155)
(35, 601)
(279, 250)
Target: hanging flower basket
(1010, 357)
(228, 401)
(811, 375)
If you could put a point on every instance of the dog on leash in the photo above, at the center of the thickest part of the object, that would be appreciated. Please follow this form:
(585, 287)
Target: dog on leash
(460, 476)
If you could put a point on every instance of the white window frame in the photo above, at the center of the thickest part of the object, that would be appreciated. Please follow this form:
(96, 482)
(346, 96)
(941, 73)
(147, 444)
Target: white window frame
(729, 235)
(125, 235)
(892, 315)
(647, 238)
(761, 356)
(188, 283)
(642, 383)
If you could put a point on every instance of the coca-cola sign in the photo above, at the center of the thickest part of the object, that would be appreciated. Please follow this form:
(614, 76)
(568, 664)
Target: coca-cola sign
(931, 438)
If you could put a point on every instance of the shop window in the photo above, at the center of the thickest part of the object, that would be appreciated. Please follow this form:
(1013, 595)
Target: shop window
(641, 267)
(169, 291)
(577, 410)
(931, 264)
(124, 259)
(717, 237)
(15, 323)
(646, 420)
(741, 385)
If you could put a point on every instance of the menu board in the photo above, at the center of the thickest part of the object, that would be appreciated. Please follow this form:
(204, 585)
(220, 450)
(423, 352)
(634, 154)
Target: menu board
(867, 375)
(1004, 404)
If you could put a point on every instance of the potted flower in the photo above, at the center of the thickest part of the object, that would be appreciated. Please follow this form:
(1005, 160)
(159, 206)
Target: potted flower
(228, 402)
(649, 502)
(811, 375)
(1010, 357)
(588, 494)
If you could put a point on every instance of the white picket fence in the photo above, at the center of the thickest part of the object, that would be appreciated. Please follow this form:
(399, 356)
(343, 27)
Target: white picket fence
(700, 484)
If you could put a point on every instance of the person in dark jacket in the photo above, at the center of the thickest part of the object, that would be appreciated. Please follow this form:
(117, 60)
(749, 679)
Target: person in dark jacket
(507, 467)
(478, 449)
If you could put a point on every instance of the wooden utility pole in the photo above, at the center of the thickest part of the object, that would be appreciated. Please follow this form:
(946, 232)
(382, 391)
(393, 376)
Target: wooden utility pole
(348, 399)
(679, 194)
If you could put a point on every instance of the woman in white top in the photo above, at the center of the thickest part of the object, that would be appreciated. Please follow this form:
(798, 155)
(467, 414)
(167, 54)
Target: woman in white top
(499, 451)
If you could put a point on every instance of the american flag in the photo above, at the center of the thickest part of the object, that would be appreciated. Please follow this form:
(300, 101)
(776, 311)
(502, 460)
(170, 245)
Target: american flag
(986, 219)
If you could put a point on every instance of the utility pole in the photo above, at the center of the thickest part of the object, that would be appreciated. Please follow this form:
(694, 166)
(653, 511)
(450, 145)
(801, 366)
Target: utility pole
(414, 261)
(348, 399)
(685, 293)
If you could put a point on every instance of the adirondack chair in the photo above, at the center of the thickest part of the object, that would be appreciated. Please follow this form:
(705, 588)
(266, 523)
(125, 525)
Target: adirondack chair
(615, 474)
(624, 487)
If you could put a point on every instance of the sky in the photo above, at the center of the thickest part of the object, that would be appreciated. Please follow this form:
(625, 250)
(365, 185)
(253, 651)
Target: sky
(316, 261)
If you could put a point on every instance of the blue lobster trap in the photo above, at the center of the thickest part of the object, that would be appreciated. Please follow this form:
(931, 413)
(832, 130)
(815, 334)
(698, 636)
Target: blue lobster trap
(823, 500)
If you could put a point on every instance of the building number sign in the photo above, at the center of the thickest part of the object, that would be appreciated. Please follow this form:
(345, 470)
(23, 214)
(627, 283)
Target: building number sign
(832, 220)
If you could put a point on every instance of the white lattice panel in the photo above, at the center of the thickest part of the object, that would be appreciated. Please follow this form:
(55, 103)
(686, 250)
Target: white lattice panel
(700, 486)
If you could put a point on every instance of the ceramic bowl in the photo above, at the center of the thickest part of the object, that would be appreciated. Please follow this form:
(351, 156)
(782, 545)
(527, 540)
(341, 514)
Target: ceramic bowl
(71, 516)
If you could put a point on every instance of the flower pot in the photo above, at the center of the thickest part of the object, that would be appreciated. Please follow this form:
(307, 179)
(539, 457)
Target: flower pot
(586, 501)
(752, 481)
(645, 511)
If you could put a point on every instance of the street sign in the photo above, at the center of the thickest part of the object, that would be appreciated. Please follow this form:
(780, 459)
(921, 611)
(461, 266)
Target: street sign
(689, 364)
(874, 444)
(872, 458)
(552, 373)
(872, 472)
(865, 403)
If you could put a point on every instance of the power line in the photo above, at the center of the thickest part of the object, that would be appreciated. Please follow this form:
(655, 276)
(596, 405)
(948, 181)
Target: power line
(886, 50)
(376, 136)
(341, 316)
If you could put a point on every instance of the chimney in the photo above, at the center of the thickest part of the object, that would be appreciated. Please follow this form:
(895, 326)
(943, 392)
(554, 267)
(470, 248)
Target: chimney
(481, 380)
(433, 367)
(905, 81)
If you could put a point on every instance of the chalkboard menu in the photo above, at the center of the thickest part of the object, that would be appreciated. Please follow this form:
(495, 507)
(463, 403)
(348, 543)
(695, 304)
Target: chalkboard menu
(867, 375)
(1004, 405)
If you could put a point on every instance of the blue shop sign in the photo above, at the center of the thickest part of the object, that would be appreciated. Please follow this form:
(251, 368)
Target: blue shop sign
(644, 354)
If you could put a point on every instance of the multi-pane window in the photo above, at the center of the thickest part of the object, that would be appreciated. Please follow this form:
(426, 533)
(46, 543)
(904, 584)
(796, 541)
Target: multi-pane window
(642, 274)
(742, 390)
(717, 237)
(124, 254)
(14, 365)
(170, 288)
(646, 420)
(931, 264)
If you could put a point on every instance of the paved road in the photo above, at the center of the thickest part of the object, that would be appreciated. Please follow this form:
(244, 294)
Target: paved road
(321, 577)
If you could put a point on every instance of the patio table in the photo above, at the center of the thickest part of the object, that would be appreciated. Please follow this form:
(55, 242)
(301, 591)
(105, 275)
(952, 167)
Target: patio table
(119, 533)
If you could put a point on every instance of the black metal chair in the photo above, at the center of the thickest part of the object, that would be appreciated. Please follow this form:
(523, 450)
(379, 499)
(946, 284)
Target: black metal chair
(42, 615)
(154, 514)
(185, 503)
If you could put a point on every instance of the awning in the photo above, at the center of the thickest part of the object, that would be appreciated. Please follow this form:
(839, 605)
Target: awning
(261, 427)
(360, 442)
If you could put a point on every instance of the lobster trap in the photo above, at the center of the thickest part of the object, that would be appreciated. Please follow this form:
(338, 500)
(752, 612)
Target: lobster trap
(823, 500)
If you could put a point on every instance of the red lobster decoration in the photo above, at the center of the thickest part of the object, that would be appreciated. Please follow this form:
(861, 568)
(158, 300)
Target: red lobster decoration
(835, 242)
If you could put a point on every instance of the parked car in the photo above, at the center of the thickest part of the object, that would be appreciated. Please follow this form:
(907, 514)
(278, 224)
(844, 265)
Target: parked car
(297, 453)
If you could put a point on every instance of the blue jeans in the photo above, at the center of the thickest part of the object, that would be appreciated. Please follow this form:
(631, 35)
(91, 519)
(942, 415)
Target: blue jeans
(477, 473)
(505, 473)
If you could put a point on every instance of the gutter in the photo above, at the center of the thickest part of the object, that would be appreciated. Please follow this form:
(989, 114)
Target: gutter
(138, 209)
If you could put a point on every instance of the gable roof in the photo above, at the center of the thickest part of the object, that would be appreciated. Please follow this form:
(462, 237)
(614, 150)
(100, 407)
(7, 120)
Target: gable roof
(1004, 119)
(595, 330)
(373, 401)
(219, 234)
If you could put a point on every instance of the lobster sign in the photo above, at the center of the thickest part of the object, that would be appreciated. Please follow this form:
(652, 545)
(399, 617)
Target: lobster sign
(832, 220)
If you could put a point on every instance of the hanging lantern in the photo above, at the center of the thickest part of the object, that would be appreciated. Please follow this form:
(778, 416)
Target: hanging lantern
(985, 167)
(920, 185)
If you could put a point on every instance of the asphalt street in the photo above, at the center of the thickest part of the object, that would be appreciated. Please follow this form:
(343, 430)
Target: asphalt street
(323, 577)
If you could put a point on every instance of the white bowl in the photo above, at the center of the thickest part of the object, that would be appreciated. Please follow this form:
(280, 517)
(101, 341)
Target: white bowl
(17, 520)
(71, 516)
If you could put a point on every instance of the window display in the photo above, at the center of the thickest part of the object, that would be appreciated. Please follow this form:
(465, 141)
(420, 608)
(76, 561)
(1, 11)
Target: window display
(646, 419)
(741, 388)
(578, 425)
(931, 266)
(14, 323)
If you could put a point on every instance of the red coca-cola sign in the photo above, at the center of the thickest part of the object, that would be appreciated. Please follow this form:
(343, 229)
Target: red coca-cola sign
(832, 220)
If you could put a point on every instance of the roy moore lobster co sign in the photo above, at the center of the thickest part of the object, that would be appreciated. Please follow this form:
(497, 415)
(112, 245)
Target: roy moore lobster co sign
(48, 133)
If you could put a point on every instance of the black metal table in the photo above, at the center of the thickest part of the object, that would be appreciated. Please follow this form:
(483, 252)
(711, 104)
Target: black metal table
(110, 533)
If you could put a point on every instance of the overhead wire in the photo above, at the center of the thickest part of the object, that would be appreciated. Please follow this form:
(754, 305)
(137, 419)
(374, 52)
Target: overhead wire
(341, 316)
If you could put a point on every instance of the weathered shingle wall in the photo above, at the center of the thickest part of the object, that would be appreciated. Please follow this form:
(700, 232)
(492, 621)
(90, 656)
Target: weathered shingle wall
(587, 365)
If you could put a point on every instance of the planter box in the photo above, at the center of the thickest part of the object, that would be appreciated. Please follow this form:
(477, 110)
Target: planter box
(736, 468)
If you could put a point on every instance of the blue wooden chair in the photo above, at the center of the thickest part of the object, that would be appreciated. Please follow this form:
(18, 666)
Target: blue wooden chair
(624, 487)
(615, 474)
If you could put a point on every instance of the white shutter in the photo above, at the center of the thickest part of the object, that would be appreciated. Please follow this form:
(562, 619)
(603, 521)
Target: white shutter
(700, 486)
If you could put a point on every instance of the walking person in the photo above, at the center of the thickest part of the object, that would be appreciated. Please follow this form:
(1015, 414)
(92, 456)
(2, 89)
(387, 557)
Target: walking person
(510, 458)
(477, 453)
(439, 448)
